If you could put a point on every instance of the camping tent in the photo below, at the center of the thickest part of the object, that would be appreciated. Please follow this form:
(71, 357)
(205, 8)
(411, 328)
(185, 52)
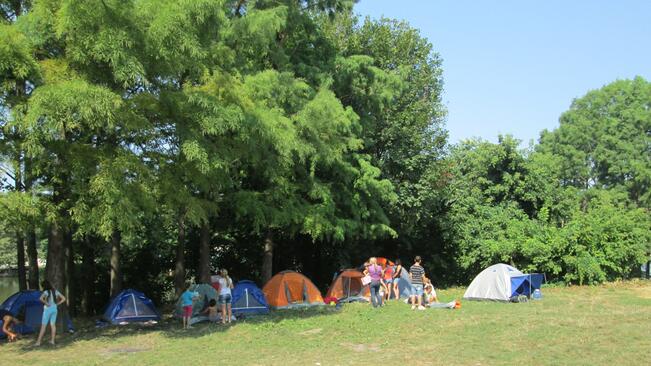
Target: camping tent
(26, 306)
(347, 287)
(501, 282)
(384, 262)
(289, 289)
(130, 306)
(206, 293)
(248, 299)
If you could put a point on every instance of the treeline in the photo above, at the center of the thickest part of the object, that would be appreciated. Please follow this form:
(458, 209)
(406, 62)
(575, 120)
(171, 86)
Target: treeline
(147, 142)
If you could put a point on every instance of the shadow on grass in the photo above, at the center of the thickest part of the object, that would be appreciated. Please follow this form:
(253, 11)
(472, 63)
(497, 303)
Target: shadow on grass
(169, 327)
(275, 316)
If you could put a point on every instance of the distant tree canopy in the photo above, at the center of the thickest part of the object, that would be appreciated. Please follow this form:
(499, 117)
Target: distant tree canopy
(148, 142)
(575, 206)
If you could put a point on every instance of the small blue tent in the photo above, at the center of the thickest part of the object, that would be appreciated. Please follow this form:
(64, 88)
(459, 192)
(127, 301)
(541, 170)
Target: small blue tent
(248, 299)
(131, 306)
(25, 305)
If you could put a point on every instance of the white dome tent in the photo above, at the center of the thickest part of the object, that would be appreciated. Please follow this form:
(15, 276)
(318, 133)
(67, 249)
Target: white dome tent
(501, 282)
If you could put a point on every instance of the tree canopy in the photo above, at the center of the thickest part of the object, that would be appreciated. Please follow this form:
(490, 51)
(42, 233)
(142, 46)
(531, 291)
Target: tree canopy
(147, 142)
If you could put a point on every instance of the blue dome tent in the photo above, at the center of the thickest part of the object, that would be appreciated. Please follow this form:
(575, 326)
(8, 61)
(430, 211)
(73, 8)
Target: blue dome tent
(25, 305)
(248, 299)
(131, 306)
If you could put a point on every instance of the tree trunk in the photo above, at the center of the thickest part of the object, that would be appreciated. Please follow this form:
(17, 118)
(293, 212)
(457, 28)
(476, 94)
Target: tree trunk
(55, 268)
(20, 238)
(88, 278)
(70, 273)
(268, 257)
(20, 258)
(116, 272)
(204, 254)
(32, 251)
(32, 259)
(179, 270)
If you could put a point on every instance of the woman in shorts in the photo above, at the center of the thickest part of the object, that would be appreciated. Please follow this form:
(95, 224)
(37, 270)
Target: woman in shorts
(51, 299)
(225, 286)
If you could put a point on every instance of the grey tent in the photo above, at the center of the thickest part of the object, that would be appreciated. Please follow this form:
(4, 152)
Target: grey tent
(501, 282)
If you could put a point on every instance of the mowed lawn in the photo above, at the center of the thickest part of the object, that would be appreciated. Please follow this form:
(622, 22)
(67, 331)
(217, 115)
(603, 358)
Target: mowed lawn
(602, 325)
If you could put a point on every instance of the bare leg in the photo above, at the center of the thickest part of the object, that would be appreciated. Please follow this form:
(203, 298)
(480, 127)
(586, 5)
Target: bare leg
(53, 328)
(230, 315)
(40, 335)
(224, 314)
(413, 302)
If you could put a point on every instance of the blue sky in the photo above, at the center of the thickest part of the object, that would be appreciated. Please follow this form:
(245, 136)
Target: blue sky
(514, 66)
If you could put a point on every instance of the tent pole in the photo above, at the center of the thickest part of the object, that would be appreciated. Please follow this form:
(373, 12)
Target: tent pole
(135, 308)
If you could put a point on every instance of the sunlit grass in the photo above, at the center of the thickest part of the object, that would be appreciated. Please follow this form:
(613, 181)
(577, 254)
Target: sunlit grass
(609, 324)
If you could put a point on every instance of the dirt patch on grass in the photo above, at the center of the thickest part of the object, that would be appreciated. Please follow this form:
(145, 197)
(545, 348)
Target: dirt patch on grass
(120, 350)
(311, 332)
(358, 347)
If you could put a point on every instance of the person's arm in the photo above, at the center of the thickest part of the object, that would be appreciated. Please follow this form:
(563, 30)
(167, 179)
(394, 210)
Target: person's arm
(61, 298)
(43, 299)
(5, 328)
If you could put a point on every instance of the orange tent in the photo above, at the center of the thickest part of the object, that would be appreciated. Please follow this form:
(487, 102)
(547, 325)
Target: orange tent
(289, 289)
(347, 287)
(384, 262)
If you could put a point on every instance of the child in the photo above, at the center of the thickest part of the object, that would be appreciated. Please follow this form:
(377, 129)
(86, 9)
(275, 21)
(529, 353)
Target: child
(212, 311)
(51, 299)
(187, 299)
(8, 321)
(430, 294)
(387, 281)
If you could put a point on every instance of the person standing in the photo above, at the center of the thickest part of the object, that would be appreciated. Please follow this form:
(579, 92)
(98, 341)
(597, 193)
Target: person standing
(387, 280)
(225, 297)
(51, 299)
(416, 274)
(396, 278)
(187, 300)
(375, 272)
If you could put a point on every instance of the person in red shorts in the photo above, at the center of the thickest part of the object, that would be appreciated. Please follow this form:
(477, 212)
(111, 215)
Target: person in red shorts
(187, 299)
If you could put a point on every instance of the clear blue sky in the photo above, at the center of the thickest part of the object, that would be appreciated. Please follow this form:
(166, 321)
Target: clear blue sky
(514, 66)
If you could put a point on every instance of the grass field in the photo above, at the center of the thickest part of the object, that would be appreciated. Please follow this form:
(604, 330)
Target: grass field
(603, 325)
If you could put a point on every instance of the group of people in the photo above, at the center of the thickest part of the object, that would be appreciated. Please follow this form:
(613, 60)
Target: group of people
(384, 284)
(384, 281)
(51, 299)
(224, 287)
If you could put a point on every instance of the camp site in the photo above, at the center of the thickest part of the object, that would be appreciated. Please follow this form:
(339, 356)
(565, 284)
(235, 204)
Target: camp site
(325, 182)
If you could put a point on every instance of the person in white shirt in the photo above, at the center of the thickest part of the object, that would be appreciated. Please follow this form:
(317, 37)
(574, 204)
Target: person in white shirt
(225, 286)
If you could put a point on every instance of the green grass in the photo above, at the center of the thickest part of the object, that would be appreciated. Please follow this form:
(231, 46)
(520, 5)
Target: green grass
(603, 325)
